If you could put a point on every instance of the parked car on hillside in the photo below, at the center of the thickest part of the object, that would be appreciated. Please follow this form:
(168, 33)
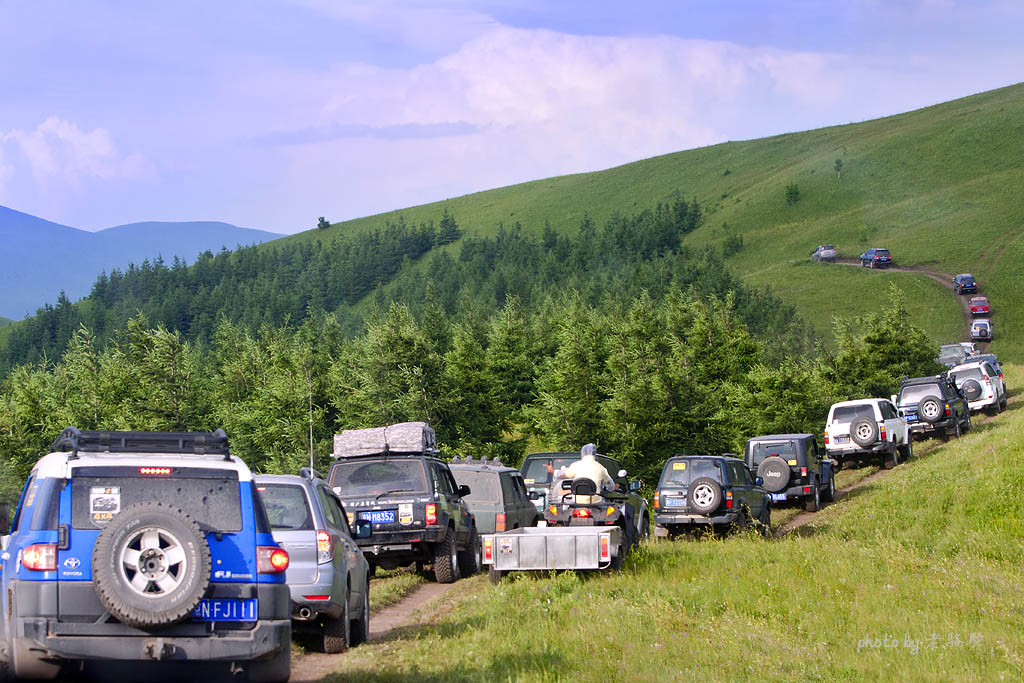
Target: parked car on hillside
(952, 354)
(139, 547)
(709, 492)
(824, 252)
(981, 330)
(793, 468)
(497, 496)
(933, 404)
(328, 577)
(980, 383)
(980, 306)
(964, 283)
(392, 477)
(876, 258)
(867, 430)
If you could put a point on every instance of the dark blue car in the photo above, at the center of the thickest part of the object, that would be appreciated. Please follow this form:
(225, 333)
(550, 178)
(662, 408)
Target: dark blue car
(876, 258)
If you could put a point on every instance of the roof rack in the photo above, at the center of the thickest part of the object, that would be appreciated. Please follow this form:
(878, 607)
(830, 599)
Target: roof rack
(194, 443)
(404, 438)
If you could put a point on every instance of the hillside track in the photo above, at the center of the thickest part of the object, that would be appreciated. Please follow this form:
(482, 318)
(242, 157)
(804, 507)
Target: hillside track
(944, 279)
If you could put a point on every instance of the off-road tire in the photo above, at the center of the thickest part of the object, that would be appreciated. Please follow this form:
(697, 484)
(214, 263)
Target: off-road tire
(829, 494)
(766, 522)
(359, 628)
(704, 495)
(471, 558)
(813, 504)
(907, 449)
(772, 464)
(955, 431)
(929, 409)
(277, 669)
(338, 632)
(446, 561)
(968, 424)
(892, 459)
(863, 431)
(162, 580)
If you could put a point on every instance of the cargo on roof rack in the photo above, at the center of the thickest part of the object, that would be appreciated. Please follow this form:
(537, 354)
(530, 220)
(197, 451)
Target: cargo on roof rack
(404, 438)
(192, 443)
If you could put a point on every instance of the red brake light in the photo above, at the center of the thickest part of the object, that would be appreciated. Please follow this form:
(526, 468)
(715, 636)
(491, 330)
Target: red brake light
(154, 470)
(826, 438)
(728, 500)
(317, 597)
(499, 521)
(40, 557)
(431, 513)
(803, 471)
(947, 410)
(324, 547)
(271, 559)
(657, 502)
(581, 512)
(605, 549)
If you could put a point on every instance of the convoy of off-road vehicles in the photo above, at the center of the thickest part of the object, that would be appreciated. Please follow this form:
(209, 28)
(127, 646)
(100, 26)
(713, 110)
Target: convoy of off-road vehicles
(162, 548)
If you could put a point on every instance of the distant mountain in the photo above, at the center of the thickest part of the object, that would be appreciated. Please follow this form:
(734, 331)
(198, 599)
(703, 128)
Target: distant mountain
(41, 258)
(4, 322)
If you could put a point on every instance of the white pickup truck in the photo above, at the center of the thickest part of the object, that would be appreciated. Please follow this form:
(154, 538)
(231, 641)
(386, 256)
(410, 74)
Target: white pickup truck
(867, 430)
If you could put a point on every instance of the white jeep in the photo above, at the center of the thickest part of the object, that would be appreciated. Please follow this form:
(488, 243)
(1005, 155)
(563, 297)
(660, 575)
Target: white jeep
(865, 430)
(981, 385)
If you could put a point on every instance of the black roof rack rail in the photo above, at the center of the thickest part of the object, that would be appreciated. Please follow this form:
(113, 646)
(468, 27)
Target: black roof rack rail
(191, 443)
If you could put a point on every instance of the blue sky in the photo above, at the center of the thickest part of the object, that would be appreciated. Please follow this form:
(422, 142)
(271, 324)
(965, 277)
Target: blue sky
(269, 114)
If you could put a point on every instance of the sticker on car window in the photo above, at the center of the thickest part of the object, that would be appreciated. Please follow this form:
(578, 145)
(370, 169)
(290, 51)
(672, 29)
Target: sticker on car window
(31, 494)
(792, 462)
(528, 481)
(104, 503)
(679, 465)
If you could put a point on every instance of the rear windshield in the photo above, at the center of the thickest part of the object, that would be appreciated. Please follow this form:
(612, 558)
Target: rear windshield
(914, 393)
(375, 477)
(961, 376)
(881, 252)
(483, 486)
(682, 472)
(952, 353)
(760, 450)
(210, 497)
(539, 470)
(287, 507)
(847, 414)
(829, 247)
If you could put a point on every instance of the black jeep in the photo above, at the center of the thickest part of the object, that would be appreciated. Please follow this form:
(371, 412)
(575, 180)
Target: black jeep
(793, 468)
(393, 477)
(709, 491)
(934, 404)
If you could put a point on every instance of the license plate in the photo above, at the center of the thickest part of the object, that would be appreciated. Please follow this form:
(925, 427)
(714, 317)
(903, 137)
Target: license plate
(378, 516)
(842, 439)
(778, 496)
(911, 418)
(226, 609)
(675, 502)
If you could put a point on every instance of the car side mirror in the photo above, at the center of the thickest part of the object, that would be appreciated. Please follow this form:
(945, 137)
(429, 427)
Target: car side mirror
(535, 495)
(622, 474)
(364, 528)
(759, 482)
(464, 491)
(636, 485)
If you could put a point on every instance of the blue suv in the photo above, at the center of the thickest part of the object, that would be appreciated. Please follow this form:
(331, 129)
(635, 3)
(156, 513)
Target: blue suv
(143, 547)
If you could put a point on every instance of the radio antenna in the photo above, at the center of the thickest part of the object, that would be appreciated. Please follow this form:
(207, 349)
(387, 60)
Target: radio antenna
(309, 385)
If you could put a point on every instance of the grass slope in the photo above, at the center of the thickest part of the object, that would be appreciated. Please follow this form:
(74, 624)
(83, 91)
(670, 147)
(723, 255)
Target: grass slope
(4, 322)
(940, 186)
(914, 576)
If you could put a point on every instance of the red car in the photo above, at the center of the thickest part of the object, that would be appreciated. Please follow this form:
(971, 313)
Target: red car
(979, 306)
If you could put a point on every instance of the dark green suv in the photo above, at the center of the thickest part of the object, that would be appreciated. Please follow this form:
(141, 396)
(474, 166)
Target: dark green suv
(392, 477)
(497, 496)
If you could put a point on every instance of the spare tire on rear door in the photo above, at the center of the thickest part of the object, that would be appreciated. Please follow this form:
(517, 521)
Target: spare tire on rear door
(929, 409)
(863, 431)
(775, 473)
(971, 389)
(151, 565)
(704, 496)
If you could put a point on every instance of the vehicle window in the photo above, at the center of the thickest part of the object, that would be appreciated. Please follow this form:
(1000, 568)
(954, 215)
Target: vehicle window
(744, 475)
(26, 501)
(915, 392)
(760, 450)
(521, 491)
(331, 509)
(846, 414)
(210, 497)
(287, 507)
(539, 470)
(887, 410)
(450, 479)
(45, 516)
(443, 485)
(613, 466)
(374, 477)
(952, 354)
(882, 252)
(961, 376)
(483, 486)
(682, 472)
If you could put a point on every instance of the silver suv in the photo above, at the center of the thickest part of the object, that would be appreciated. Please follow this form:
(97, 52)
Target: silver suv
(328, 578)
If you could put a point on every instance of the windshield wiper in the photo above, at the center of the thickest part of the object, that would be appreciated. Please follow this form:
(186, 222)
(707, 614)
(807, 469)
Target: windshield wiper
(377, 497)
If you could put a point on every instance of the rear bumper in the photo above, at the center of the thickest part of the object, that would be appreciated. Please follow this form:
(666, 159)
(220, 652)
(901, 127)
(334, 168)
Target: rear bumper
(324, 586)
(669, 519)
(402, 546)
(854, 450)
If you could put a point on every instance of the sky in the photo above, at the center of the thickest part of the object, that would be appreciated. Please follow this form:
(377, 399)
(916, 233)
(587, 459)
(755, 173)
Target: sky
(270, 114)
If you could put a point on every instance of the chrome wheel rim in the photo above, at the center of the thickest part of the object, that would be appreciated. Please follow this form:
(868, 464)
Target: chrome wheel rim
(703, 495)
(153, 562)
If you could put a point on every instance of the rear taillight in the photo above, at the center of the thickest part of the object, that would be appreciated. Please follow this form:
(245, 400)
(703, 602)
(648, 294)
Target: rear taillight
(610, 511)
(947, 410)
(581, 512)
(728, 500)
(488, 548)
(605, 548)
(499, 521)
(324, 547)
(317, 598)
(40, 557)
(826, 438)
(657, 501)
(803, 471)
(154, 470)
(553, 510)
(271, 559)
(881, 433)
(807, 489)
(431, 513)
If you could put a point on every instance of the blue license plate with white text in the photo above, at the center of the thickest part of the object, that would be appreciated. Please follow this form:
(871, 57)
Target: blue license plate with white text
(911, 418)
(778, 496)
(378, 516)
(842, 439)
(226, 609)
(675, 502)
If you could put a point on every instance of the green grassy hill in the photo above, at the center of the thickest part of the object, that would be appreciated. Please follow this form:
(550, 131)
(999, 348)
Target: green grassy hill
(914, 576)
(941, 187)
(4, 322)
